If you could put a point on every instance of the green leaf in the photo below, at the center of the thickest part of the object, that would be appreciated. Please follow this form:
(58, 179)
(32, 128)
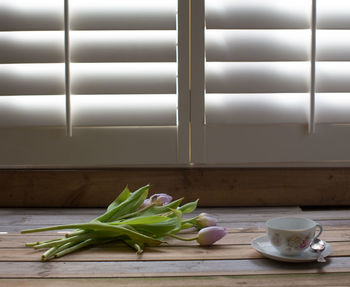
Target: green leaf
(188, 207)
(171, 225)
(131, 204)
(153, 210)
(142, 220)
(122, 197)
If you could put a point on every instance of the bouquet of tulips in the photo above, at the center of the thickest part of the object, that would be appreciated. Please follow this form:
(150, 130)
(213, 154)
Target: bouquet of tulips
(136, 220)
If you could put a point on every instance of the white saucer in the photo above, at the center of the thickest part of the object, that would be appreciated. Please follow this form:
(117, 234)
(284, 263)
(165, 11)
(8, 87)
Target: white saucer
(263, 245)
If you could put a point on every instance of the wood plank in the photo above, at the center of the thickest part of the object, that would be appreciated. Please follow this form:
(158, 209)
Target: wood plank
(124, 253)
(166, 268)
(45, 216)
(231, 186)
(51, 211)
(18, 240)
(290, 280)
(238, 226)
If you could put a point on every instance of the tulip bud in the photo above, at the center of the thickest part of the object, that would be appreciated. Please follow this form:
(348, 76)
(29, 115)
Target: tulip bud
(205, 220)
(145, 203)
(209, 235)
(160, 199)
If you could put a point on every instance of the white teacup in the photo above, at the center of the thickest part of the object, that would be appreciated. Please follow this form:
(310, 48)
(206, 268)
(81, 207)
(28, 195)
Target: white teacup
(292, 235)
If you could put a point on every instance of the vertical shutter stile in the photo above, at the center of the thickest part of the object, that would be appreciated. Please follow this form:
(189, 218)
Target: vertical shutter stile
(313, 67)
(183, 90)
(67, 67)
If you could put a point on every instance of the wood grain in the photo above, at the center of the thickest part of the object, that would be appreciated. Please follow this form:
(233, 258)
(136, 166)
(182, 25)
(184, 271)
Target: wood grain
(214, 187)
(290, 280)
(231, 262)
(149, 269)
(232, 238)
(169, 253)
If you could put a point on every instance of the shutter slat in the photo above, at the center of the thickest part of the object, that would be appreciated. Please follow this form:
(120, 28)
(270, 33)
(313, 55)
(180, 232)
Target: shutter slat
(123, 46)
(333, 45)
(257, 14)
(31, 47)
(32, 79)
(333, 66)
(257, 45)
(31, 15)
(258, 77)
(123, 15)
(333, 14)
(123, 78)
(333, 108)
(124, 110)
(243, 109)
(333, 77)
(26, 111)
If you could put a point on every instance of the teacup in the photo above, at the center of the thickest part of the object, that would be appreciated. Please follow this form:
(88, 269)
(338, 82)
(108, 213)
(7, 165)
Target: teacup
(292, 235)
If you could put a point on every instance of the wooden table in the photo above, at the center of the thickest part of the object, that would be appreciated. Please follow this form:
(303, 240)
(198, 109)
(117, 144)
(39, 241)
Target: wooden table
(232, 262)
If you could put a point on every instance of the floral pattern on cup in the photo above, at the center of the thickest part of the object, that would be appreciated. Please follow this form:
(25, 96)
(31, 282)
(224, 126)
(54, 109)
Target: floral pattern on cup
(297, 242)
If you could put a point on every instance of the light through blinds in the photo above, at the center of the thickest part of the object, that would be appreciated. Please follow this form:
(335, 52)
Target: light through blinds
(31, 63)
(120, 98)
(123, 62)
(275, 90)
(257, 61)
(333, 62)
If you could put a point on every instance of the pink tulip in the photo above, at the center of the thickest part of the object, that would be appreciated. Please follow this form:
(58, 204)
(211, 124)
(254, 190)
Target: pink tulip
(145, 203)
(160, 199)
(209, 235)
(205, 220)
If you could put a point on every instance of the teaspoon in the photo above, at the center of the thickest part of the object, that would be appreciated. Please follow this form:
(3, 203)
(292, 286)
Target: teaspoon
(318, 245)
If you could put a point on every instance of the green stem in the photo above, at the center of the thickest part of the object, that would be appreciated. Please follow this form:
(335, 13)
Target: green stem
(62, 241)
(183, 239)
(117, 230)
(54, 250)
(46, 256)
(134, 245)
(76, 232)
(33, 244)
(56, 227)
(75, 247)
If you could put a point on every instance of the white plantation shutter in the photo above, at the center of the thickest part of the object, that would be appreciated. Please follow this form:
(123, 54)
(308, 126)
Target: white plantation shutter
(123, 72)
(31, 63)
(120, 95)
(255, 83)
(100, 83)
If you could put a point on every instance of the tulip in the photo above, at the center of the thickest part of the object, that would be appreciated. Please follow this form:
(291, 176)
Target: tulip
(157, 199)
(209, 235)
(146, 203)
(160, 199)
(205, 220)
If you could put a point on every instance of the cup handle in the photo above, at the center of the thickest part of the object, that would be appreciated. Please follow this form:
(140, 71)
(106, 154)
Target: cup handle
(319, 233)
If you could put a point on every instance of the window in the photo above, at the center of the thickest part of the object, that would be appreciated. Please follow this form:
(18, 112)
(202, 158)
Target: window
(101, 83)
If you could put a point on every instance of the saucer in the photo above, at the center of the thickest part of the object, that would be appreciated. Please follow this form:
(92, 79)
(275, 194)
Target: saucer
(263, 245)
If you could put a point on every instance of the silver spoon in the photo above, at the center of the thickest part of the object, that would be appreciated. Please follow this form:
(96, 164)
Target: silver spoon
(318, 245)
